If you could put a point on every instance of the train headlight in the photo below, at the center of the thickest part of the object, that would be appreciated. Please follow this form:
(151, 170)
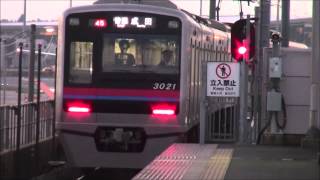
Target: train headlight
(74, 21)
(173, 24)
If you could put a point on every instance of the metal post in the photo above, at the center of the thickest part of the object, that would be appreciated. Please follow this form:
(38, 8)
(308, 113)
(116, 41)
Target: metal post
(285, 23)
(2, 57)
(264, 41)
(243, 124)
(38, 94)
(315, 72)
(53, 124)
(243, 103)
(264, 25)
(200, 8)
(25, 15)
(4, 76)
(212, 14)
(55, 96)
(257, 82)
(70, 3)
(247, 57)
(278, 19)
(19, 97)
(3, 71)
(203, 103)
(31, 63)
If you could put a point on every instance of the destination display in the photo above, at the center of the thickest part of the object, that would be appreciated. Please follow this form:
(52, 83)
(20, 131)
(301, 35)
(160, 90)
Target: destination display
(135, 21)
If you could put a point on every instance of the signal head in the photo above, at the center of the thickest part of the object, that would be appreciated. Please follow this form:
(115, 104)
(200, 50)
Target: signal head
(240, 47)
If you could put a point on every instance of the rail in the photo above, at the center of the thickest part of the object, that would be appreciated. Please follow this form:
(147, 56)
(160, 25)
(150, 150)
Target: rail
(17, 133)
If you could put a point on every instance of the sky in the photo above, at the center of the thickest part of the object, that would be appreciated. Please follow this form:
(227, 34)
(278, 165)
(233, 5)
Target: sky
(52, 9)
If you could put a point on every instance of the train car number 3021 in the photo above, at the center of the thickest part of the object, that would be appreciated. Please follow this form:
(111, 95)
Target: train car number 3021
(164, 86)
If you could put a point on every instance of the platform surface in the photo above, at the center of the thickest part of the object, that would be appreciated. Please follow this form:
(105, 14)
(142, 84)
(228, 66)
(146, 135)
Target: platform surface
(273, 163)
(232, 162)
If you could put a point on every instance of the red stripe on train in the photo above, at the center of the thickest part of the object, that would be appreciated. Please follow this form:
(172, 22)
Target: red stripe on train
(121, 92)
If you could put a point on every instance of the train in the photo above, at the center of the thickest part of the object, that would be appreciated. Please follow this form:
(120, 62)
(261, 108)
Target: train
(117, 104)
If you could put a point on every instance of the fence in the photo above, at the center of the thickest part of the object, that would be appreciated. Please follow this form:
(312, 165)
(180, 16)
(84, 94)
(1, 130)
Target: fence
(30, 129)
(221, 122)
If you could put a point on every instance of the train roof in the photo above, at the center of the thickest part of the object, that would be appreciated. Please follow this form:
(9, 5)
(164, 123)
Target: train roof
(152, 6)
(159, 3)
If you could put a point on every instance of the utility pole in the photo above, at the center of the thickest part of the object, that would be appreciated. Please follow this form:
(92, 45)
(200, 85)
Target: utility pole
(285, 19)
(264, 25)
(25, 15)
(200, 8)
(263, 40)
(278, 19)
(212, 14)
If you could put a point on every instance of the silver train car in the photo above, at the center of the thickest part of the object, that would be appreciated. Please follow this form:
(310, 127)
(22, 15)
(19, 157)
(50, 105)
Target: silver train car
(128, 80)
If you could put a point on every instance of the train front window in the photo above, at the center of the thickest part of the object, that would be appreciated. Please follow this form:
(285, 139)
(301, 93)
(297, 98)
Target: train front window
(140, 53)
(81, 62)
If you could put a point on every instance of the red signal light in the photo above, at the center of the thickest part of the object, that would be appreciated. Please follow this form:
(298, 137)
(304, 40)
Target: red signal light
(242, 50)
(100, 23)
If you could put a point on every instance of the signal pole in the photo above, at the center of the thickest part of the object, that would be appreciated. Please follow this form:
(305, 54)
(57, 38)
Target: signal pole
(315, 74)
(264, 25)
(212, 14)
(285, 23)
(25, 15)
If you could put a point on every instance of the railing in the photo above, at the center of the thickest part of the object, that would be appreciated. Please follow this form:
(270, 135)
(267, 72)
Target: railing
(16, 133)
(221, 122)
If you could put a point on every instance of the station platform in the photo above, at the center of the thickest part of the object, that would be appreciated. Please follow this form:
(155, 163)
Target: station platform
(232, 162)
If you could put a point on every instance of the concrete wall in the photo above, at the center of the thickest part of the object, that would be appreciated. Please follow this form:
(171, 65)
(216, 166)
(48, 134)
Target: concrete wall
(295, 87)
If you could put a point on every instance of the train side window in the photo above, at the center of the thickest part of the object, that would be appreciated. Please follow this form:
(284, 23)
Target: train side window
(81, 62)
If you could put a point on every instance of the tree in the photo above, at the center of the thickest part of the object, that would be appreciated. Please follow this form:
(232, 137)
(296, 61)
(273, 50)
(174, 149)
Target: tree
(21, 18)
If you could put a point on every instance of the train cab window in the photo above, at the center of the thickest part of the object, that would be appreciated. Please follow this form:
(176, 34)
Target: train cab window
(81, 62)
(140, 54)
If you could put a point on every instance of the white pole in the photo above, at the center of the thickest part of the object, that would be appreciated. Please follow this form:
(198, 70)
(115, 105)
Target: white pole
(278, 19)
(25, 15)
(200, 7)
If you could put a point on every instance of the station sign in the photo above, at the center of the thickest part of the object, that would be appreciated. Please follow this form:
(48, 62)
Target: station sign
(223, 79)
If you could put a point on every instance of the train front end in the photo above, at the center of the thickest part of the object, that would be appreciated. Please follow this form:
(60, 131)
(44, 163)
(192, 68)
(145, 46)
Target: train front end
(117, 101)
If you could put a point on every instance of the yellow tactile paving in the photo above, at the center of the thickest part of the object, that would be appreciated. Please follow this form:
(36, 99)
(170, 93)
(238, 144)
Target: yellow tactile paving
(188, 162)
(218, 165)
